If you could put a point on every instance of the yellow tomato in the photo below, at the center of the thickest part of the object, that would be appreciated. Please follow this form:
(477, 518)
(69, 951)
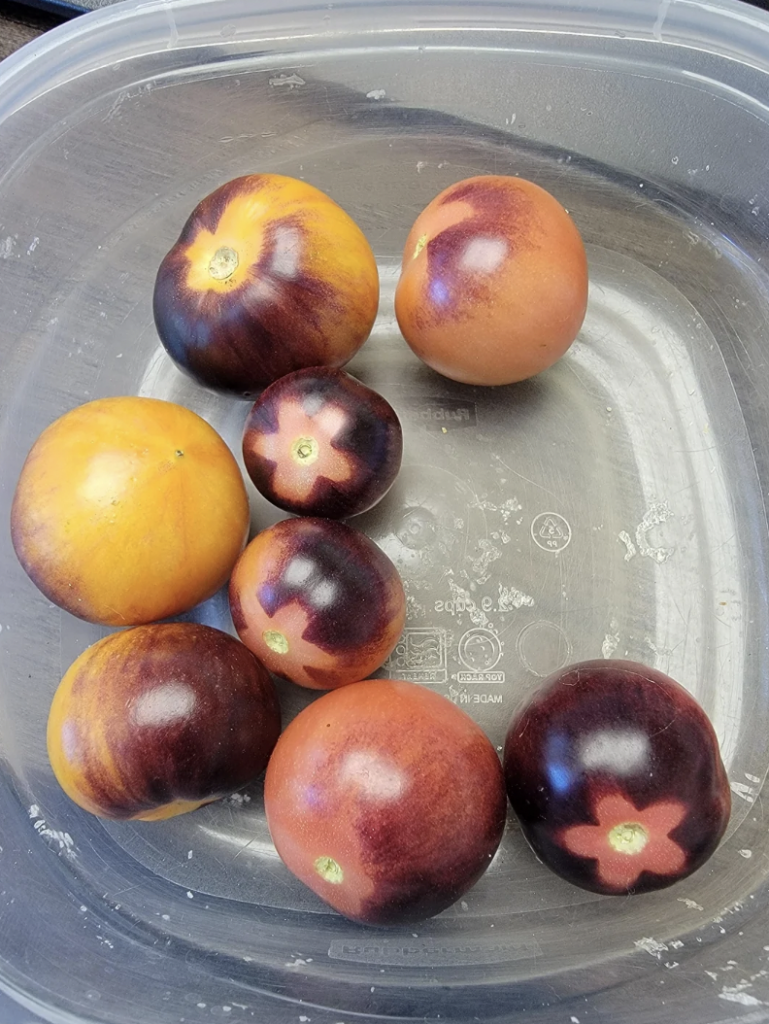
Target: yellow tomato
(129, 510)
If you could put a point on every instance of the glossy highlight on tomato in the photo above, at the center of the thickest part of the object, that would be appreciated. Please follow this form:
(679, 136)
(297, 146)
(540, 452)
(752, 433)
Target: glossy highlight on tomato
(494, 281)
(155, 721)
(317, 601)
(129, 510)
(269, 275)
(386, 799)
(319, 442)
(615, 774)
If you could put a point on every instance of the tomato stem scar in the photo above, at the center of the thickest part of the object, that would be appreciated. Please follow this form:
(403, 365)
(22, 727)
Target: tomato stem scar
(421, 243)
(305, 450)
(223, 264)
(275, 640)
(628, 837)
(329, 870)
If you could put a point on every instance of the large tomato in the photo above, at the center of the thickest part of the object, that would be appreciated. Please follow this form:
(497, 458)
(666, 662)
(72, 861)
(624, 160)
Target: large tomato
(493, 285)
(269, 275)
(155, 721)
(129, 510)
(386, 799)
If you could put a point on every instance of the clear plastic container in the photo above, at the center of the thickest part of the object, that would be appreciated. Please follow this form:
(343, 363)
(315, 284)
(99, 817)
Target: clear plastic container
(613, 505)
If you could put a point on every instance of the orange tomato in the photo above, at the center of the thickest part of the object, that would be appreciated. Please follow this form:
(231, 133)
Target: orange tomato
(269, 275)
(385, 799)
(493, 285)
(129, 510)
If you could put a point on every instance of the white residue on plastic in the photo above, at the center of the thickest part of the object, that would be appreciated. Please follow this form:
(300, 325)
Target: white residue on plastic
(297, 962)
(744, 792)
(658, 513)
(33, 245)
(631, 552)
(480, 565)
(6, 247)
(237, 799)
(737, 994)
(511, 598)
(611, 640)
(466, 603)
(289, 81)
(62, 841)
(691, 904)
(421, 164)
(651, 946)
(374, 94)
(747, 854)
(656, 649)
(506, 509)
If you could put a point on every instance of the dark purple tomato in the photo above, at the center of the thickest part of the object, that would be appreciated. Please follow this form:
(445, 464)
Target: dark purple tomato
(386, 799)
(155, 721)
(318, 442)
(317, 601)
(615, 774)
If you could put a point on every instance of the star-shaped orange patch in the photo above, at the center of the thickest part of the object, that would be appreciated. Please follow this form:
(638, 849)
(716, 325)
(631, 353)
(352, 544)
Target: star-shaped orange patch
(627, 842)
(302, 449)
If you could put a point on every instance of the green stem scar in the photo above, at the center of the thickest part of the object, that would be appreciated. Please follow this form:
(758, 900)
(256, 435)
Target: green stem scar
(421, 243)
(628, 837)
(305, 450)
(275, 640)
(329, 870)
(224, 263)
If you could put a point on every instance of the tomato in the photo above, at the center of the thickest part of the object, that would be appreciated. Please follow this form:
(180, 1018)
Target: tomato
(493, 285)
(129, 510)
(386, 799)
(318, 442)
(317, 601)
(268, 276)
(616, 777)
(155, 721)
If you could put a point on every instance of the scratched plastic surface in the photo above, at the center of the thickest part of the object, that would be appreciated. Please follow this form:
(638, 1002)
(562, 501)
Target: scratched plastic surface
(612, 506)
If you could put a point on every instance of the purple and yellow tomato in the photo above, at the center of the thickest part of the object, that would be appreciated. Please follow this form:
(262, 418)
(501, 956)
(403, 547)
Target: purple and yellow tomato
(386, 799)
(493, 285)
(318, 442)
(317, 601)
(615, 774)
(269, 275)
(158, 720)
